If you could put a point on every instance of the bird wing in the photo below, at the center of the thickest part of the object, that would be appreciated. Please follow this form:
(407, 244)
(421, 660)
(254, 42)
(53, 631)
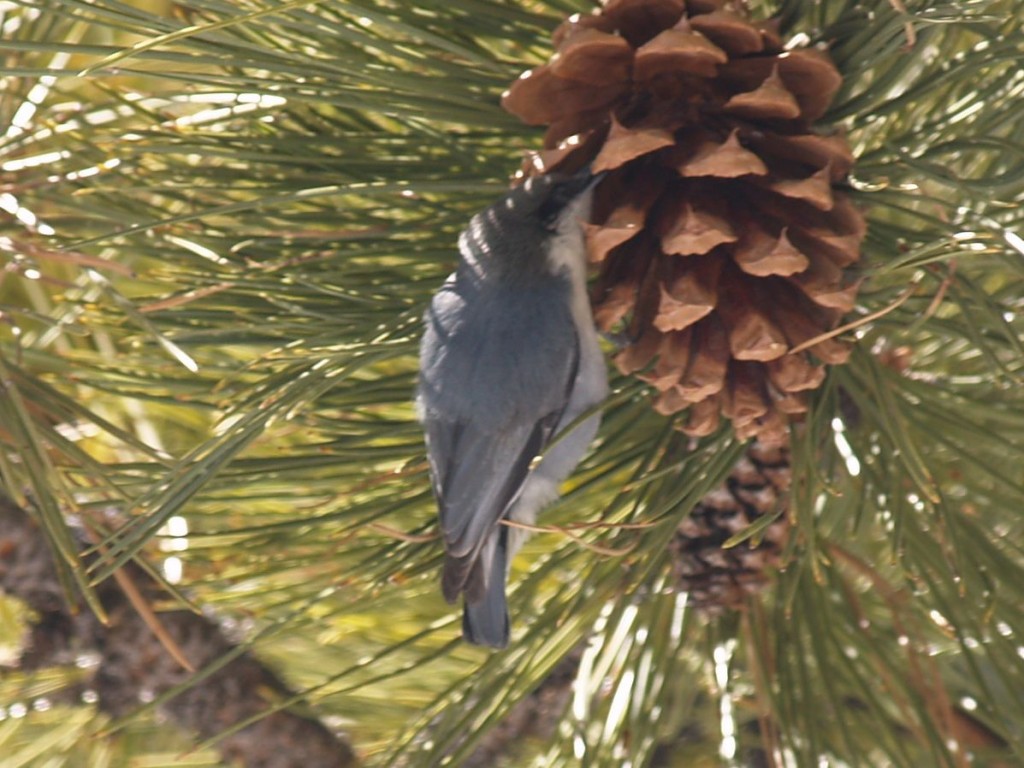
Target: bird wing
(477, 475)
(497, 367)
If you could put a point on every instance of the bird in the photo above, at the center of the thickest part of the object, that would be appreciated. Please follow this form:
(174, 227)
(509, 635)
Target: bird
(509, 361)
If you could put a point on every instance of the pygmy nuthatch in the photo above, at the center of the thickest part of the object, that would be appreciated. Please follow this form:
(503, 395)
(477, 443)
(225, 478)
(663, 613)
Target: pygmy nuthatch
(508, 360)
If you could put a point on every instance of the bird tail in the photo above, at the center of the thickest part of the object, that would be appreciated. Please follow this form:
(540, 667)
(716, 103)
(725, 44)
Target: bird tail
(485, 619)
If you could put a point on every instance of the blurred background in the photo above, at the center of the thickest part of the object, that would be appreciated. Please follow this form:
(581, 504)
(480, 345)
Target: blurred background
(220, 223)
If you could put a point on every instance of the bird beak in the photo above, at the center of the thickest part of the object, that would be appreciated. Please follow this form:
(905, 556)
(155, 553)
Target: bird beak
(587, 172)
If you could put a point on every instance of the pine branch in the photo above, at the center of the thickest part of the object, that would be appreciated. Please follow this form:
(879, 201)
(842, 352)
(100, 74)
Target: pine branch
(134, 664)
(534, 717)
(275, 196)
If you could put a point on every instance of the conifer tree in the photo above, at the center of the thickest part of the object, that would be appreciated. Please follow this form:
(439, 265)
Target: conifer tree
(797, 538)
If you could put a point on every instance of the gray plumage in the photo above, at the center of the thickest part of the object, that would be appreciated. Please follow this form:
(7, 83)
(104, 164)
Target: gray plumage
(509, 358)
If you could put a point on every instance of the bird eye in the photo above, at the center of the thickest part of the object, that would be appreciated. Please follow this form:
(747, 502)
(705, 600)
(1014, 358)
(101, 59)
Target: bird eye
(548, 214)
(552, 208)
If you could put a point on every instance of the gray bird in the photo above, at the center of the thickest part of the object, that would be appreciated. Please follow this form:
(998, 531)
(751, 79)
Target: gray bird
(509, 358)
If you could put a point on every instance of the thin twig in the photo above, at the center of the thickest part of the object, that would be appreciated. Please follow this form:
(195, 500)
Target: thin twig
(150, 619)
(565, 531)
(856, 323)
(908, 26)
(146, 613)
(941, 293)
(394, 533)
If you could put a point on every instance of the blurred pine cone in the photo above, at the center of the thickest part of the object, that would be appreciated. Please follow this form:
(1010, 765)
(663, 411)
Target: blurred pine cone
(721, 240)
(718, 579)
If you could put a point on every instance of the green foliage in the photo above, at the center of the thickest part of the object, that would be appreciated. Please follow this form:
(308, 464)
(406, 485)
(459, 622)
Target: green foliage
(222, 223)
